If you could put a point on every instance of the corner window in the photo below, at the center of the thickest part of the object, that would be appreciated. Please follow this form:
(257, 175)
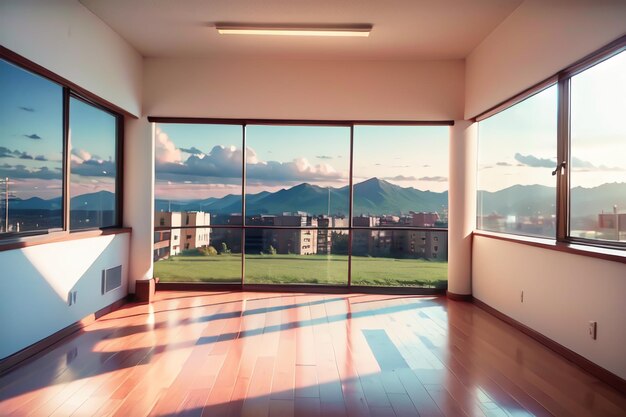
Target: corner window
(517, 150)
(597, 173)
(31, 153)
(93, 156)
(552, 165)
(38, 151)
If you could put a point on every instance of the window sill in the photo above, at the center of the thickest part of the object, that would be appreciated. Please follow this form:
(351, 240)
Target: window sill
(615, 255)
(55, 237)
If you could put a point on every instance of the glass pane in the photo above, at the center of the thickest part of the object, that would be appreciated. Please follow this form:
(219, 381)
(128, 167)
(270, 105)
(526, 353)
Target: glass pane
(516, 156)
(399, 170)
(198, 168)
(297, 169)
(199, 254)
(31, 152)
(93, 147)
(275, 256)
(400, 258)
(598, 146)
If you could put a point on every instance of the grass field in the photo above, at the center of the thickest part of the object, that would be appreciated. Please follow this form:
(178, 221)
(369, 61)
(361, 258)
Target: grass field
(307, 269)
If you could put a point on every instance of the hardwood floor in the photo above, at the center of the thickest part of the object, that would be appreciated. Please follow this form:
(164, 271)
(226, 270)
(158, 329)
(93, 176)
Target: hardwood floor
(285, 354)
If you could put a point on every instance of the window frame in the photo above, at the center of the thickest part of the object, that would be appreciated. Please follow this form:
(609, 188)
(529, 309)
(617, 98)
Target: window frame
(70, 90)
(119, 148)
(563, 165)
(350, 228)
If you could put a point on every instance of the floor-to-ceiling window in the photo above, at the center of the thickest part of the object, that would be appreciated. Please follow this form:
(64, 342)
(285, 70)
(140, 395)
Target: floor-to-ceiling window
(329, 203)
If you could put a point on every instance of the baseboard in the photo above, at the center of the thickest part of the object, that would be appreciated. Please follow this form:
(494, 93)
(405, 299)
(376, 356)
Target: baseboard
(308, 288)
(40, 348)
(459, 297)
(596, 370)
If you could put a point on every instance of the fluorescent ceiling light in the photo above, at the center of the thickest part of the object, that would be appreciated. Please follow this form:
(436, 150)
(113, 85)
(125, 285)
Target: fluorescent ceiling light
(292, 30)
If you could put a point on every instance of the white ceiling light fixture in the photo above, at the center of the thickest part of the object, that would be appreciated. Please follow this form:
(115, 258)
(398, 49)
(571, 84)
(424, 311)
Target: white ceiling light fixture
(352, 30)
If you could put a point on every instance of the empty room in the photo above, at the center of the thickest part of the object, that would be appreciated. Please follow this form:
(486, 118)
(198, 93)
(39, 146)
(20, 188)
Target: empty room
(313, 208)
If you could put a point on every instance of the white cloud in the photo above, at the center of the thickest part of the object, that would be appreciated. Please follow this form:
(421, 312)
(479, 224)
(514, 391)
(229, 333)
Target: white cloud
(165, 150)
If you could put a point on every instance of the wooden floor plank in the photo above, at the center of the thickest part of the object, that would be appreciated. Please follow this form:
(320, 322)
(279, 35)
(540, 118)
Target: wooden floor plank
(297, 354)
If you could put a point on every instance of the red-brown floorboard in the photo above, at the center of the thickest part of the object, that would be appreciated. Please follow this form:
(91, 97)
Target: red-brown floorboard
(296, 354)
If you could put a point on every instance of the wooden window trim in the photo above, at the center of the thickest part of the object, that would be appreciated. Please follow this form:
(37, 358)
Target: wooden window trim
(60, 236)
(598, 252)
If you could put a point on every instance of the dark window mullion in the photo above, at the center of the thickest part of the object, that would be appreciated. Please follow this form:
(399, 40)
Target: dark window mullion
(563, 156)
(66, 159)
(119, 171)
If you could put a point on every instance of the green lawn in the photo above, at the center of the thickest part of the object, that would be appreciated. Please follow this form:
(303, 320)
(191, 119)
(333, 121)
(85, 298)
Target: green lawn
(307, 269)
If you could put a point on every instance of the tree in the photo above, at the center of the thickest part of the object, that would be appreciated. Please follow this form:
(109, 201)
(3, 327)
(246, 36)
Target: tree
(225, 250)
(339, 243)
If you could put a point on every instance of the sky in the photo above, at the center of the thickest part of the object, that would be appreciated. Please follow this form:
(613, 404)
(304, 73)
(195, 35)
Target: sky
(518, 145)
(31, 138)
(200, 161)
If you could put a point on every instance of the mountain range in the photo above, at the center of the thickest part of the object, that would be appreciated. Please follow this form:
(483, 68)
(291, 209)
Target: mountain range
(374, 196)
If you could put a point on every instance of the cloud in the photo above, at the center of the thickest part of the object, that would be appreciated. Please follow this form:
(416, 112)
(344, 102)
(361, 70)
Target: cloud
(165, 150)
(94, 168)
(434, 179)
(225, 162)
(34, 136)
(193, 151)
(503, 164)
(40, 158)
(533, 161)
(580, 165)
(87, 165)
(8, 153)
(21, 172)
(401, 178)
(324, 157)
(28, 109)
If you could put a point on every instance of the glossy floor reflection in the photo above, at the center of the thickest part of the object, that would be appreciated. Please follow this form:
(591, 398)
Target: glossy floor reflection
(282, 354)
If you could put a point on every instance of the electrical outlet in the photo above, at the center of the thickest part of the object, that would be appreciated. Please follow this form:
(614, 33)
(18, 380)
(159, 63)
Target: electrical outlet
(593, 330)
(521, 297)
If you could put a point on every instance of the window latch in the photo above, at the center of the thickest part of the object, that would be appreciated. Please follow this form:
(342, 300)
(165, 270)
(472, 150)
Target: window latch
(559, 167)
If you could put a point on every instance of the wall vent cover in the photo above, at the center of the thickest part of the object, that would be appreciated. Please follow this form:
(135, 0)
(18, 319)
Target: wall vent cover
(111, 279)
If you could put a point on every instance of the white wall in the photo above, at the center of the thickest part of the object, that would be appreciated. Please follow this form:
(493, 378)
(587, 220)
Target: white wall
(461, 205)
(139, 201)
(35, 282)
(562, 293)
(540, 38)
(66, 38)
(304, 89)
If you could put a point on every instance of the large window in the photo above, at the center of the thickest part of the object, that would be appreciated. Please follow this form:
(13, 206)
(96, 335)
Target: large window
(516, 156)
(297, 223)
(93, 155)
(37, 151)
(31, 152)
(553, 166)
(598, 152)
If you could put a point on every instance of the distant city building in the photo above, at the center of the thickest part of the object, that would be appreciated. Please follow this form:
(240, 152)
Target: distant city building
(196, 237)
(325, 232)
(167, 242)
(174, 239)
(424, 219)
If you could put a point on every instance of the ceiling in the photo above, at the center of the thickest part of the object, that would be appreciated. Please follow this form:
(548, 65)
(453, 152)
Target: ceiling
(403, 29)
